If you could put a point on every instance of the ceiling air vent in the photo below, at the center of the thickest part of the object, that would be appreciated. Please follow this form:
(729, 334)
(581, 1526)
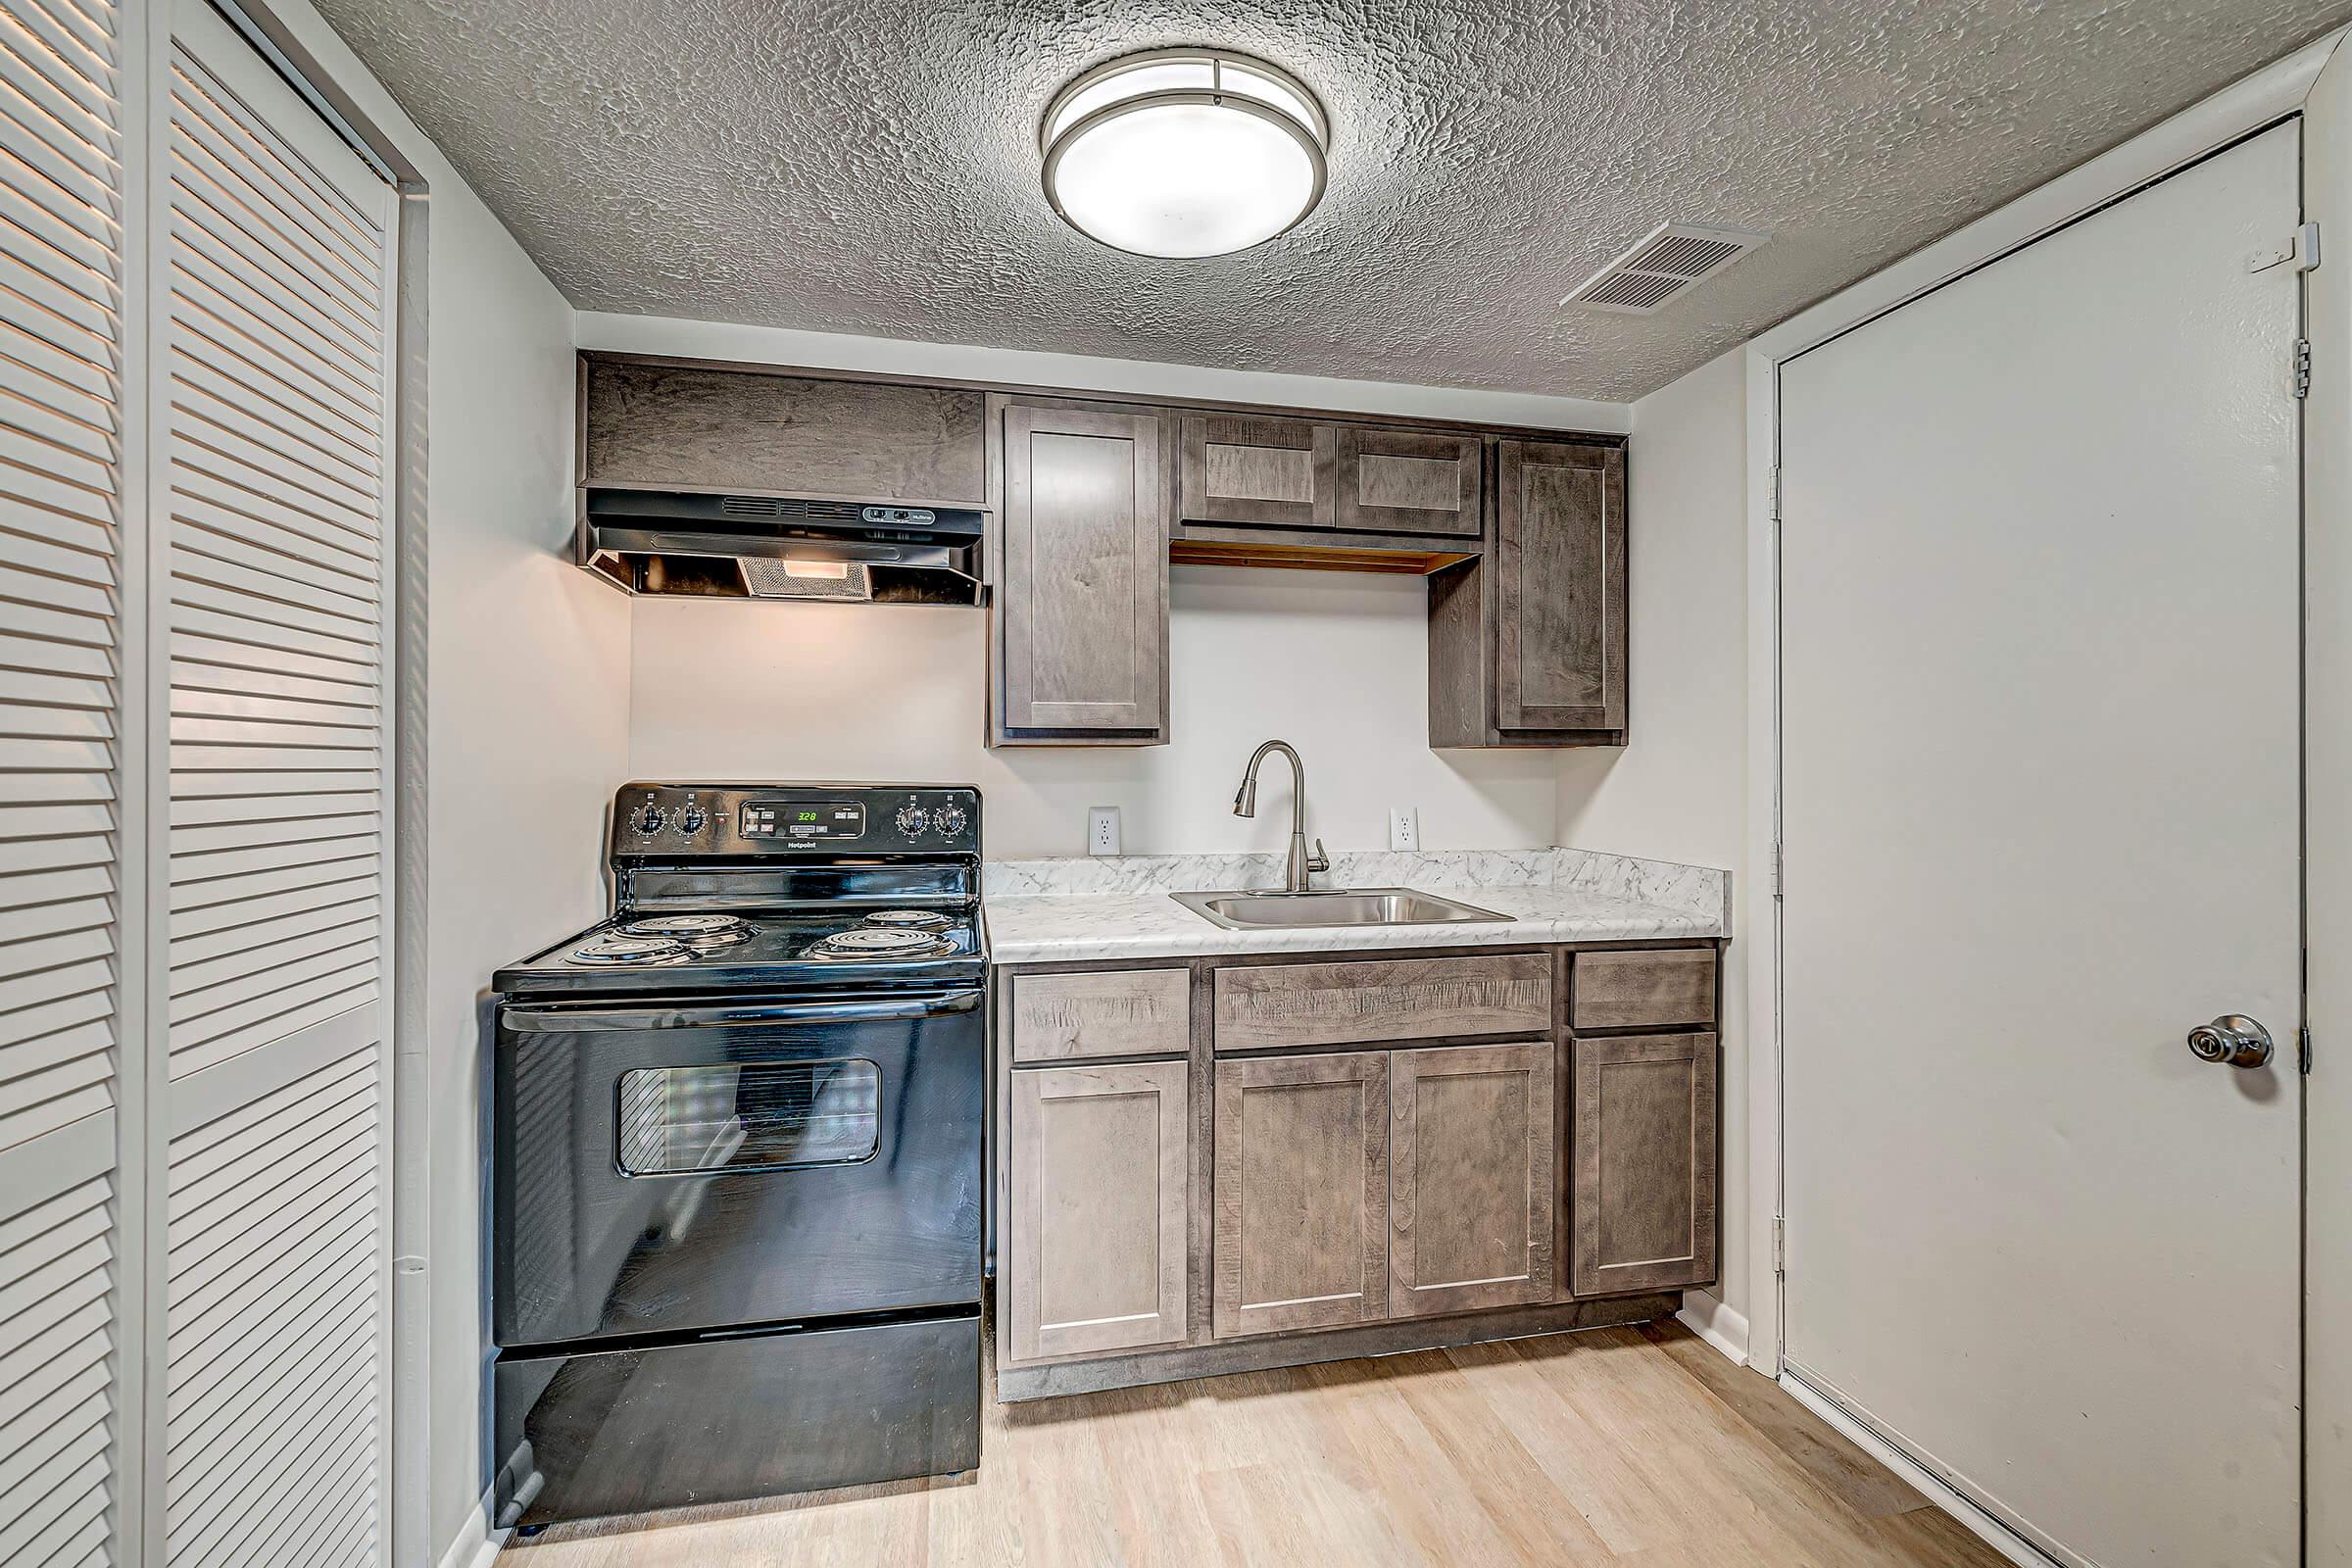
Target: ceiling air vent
(1668, 260)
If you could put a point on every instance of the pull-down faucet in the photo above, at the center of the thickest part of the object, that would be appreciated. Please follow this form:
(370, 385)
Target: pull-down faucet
(1301, 864)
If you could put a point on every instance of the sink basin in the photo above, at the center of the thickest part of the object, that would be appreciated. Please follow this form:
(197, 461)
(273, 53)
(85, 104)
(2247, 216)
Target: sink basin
(1247, 911)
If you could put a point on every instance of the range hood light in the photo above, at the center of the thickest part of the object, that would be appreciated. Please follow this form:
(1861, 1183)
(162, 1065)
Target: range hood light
(833, 570)
(1184, 152)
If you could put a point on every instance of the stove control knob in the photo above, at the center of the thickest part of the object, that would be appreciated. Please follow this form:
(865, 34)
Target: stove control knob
(913, 819)
(691, 820)
(651, 817)
(949, 819)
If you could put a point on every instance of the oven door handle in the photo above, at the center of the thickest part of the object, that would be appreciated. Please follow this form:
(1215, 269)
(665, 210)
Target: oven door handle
(562, 1019)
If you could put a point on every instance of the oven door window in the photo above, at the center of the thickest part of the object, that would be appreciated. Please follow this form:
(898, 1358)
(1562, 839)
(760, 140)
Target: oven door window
(749, 1117)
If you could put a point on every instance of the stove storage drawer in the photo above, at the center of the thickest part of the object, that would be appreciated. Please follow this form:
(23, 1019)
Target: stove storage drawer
(664, 1167)
(608, 1431)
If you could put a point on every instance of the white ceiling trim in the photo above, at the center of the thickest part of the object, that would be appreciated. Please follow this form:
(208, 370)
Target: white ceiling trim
(685, 338)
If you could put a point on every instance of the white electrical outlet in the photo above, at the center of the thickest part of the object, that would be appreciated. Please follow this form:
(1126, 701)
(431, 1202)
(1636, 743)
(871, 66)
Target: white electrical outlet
(1102, 830)
(1405, 828)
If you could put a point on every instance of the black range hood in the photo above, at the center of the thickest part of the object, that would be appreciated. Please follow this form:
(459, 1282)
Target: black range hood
(784, 547)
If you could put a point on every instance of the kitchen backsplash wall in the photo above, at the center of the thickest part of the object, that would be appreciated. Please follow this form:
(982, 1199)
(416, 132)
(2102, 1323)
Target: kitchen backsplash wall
(1333, 662)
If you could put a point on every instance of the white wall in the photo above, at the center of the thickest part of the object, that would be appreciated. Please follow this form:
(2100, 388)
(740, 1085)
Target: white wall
(1333, 662)
(529, 667)
(526, 724)
(1680, 791)
(2328, 759)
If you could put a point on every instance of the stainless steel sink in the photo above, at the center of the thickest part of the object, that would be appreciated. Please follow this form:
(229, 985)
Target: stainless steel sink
(1247, 911)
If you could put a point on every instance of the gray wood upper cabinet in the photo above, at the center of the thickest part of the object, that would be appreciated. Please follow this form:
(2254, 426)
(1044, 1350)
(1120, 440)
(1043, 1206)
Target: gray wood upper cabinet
(1642, 1178)
(1308, 478)
(709, 430)
(1081, 608)
(1300, 1194)
(1408, 481)
(1094, 1229)
(1470, 1178)
(1527, 645)
(1248, 469)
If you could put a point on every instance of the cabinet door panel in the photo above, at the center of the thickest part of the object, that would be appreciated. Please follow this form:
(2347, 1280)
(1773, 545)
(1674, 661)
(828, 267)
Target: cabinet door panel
(1642, 1155)
(1095, 1256)
(1246, 469)
(1301, 1196)
(1408, 481)
(1082, 597)
(668, 426)
(1471, 1178)
(1560, 593)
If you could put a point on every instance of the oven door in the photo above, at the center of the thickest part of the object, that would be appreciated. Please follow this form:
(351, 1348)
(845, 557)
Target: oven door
(667, 1167)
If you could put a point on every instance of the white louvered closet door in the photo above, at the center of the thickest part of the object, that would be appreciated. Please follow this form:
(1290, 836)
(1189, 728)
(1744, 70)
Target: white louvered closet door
(273, 391)
(62, 551)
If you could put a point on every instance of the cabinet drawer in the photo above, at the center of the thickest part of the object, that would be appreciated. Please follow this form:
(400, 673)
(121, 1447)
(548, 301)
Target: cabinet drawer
(1114, 1013)
(1643, 990)
(1282, 1005)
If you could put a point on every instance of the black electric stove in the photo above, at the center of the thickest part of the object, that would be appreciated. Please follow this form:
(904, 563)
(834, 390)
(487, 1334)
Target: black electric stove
(736, 1207)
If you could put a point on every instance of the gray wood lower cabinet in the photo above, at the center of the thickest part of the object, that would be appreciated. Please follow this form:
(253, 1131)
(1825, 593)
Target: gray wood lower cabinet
(1301, 1236)
(1422, 1140)
(1081, 608)
(1642, 1178)
(1470, 1177)
(1093, 1238)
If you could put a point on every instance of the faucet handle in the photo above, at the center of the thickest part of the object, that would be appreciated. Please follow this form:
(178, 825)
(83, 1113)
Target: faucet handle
(1318, 862)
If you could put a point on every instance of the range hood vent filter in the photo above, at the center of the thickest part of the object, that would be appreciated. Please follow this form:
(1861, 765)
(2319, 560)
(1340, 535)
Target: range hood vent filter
(774, 579)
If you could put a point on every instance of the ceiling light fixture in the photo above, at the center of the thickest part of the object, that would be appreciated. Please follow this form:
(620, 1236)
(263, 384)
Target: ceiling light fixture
(1184, 152)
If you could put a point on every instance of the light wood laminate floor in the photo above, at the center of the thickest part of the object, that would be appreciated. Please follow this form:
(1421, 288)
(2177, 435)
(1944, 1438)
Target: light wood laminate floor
(1641, 1445)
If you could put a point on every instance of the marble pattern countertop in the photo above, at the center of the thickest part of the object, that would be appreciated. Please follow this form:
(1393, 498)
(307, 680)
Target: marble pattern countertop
(1117, 906)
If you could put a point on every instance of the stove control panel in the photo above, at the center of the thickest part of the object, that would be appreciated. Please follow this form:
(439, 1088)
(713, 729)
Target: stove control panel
(768, 821)
(796, 821)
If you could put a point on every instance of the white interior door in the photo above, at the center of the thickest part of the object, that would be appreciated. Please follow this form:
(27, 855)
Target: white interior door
(2041, 817)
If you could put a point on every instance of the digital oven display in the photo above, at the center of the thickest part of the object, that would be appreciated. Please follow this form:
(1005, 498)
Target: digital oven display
(802, 821)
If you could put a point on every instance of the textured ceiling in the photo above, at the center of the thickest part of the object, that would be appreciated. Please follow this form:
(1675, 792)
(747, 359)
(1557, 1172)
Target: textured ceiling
(872, 167)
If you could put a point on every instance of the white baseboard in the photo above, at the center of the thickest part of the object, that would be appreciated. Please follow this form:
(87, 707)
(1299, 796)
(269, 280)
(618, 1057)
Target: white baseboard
(477, 1543)
(1717, 1324)
(1986, 1528)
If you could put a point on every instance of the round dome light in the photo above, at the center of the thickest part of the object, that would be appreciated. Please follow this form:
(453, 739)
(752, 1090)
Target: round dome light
(1184, 152)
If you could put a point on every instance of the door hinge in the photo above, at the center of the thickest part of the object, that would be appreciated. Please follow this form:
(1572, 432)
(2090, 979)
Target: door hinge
(1780, 1244)
(2302, 248)
(1776, 492)
(1779, 868)
(2302, 367)
(2303, 1051)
